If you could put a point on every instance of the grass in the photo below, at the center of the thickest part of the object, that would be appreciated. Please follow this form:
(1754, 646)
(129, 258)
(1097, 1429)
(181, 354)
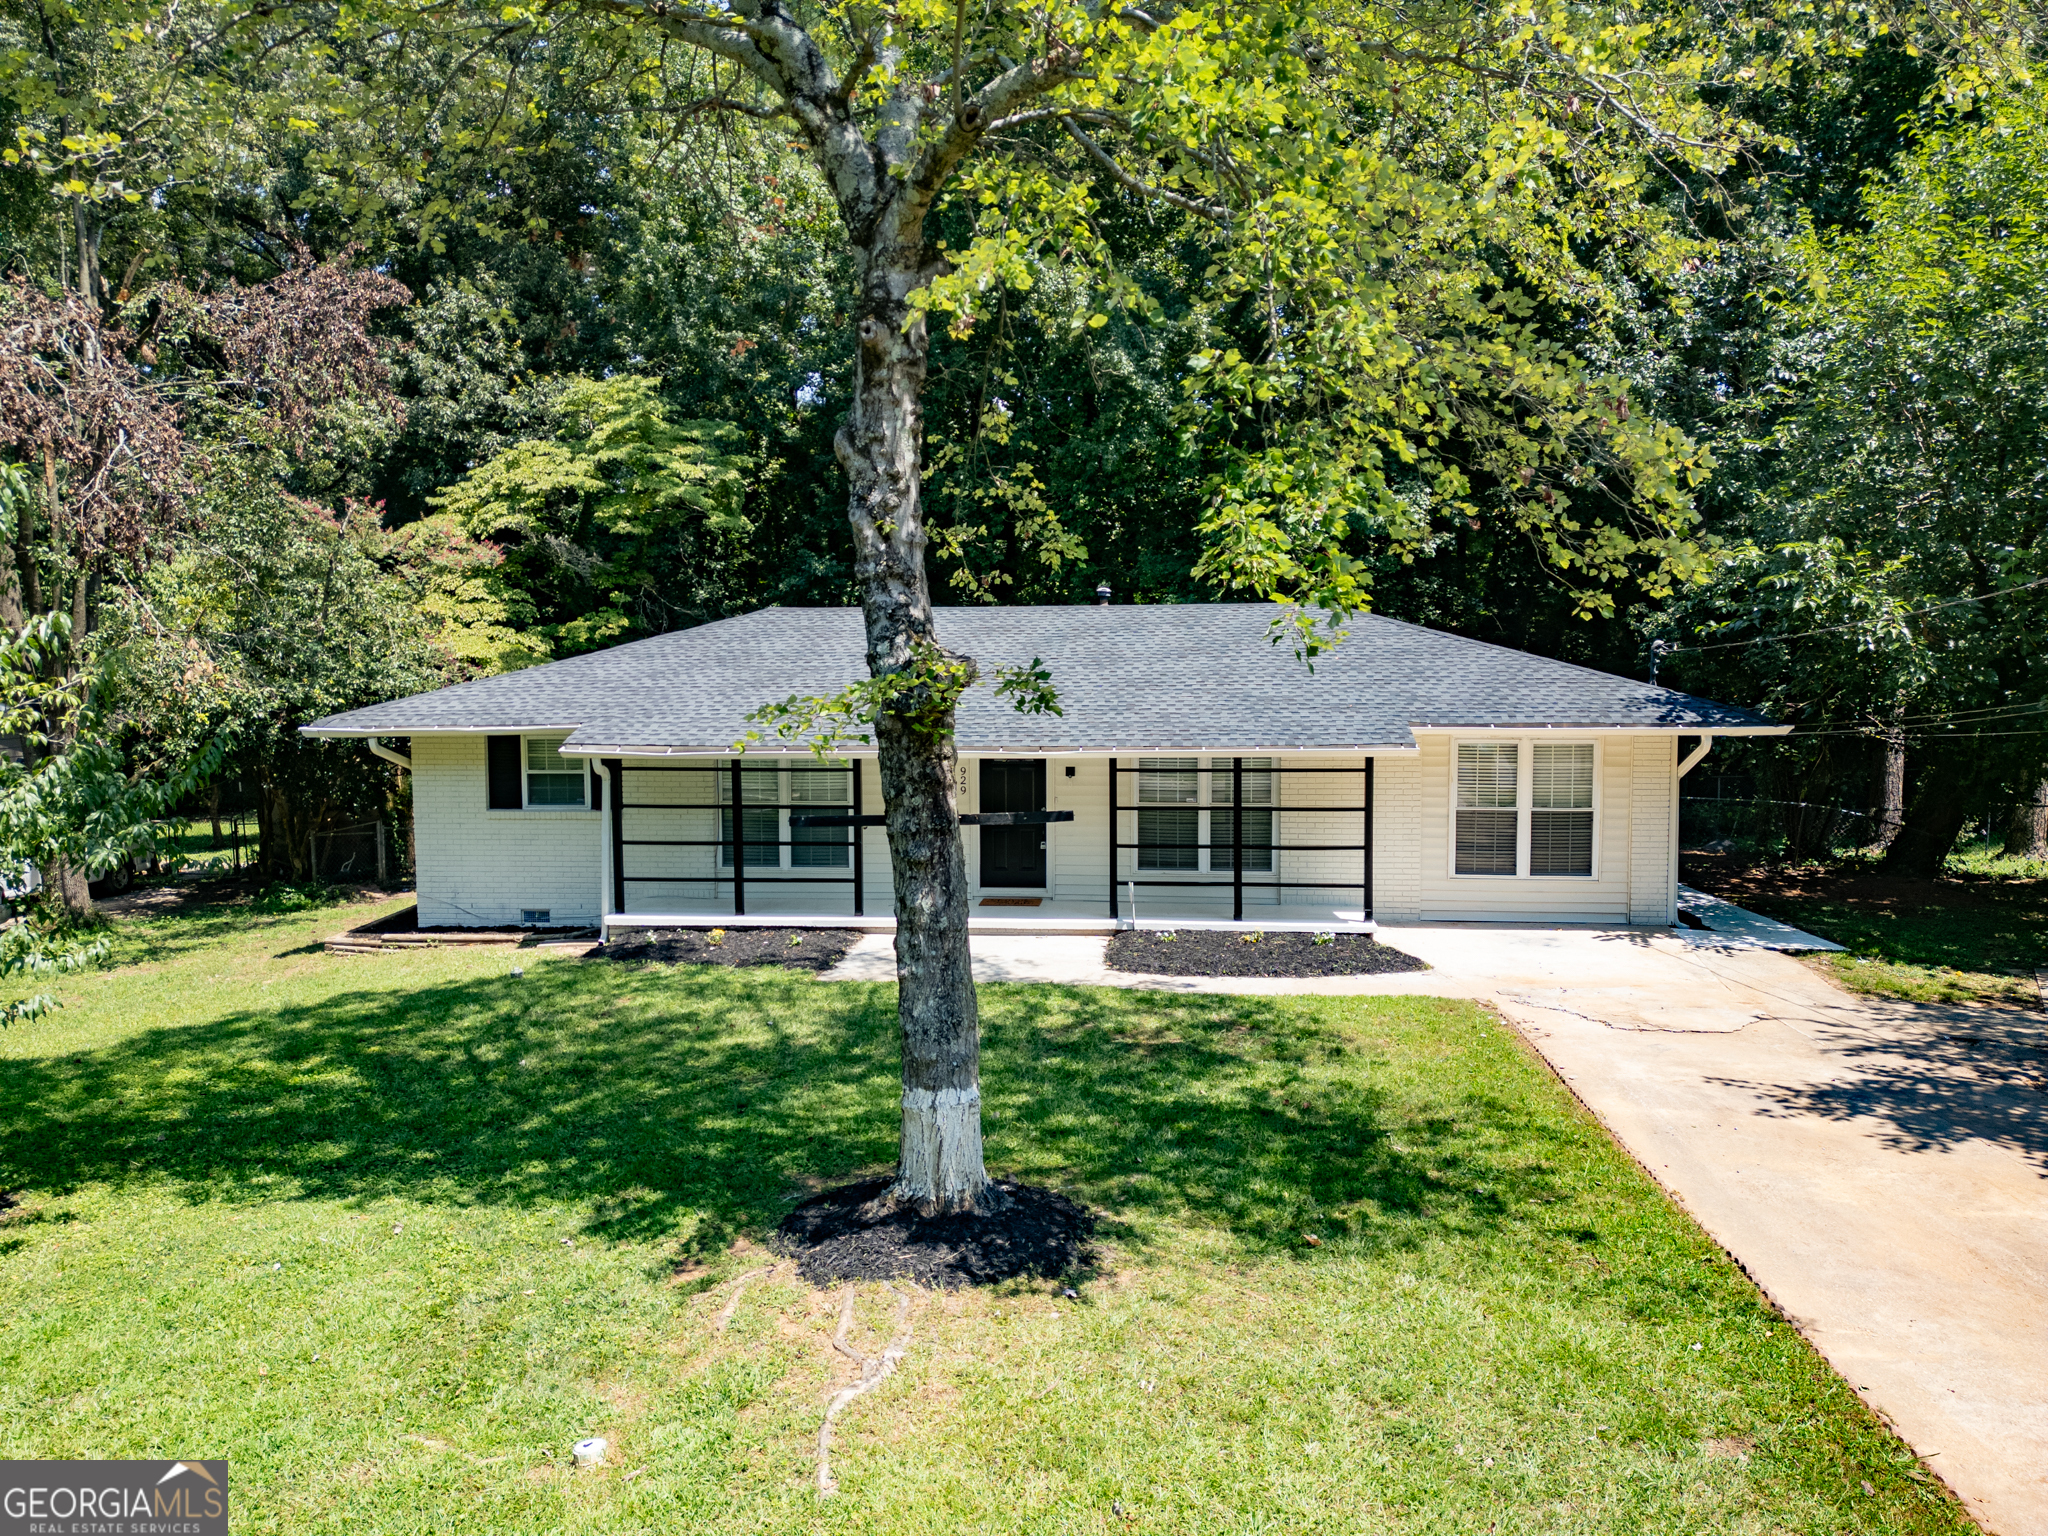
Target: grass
(1977, 936)
(391, 1233)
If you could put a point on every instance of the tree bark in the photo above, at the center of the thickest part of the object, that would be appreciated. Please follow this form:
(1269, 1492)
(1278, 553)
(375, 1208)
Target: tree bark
(939, 1166)
(1891, 812)
(2026, 835)
(1930, 827)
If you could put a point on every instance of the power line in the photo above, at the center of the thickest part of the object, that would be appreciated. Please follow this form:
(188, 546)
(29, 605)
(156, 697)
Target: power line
(1829, 629)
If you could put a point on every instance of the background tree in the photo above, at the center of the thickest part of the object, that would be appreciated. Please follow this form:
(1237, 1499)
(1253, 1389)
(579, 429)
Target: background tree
(1894, 592)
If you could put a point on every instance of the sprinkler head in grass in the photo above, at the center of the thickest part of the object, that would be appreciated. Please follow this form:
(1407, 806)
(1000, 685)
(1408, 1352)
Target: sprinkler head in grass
(589, 1453)
(518, 970)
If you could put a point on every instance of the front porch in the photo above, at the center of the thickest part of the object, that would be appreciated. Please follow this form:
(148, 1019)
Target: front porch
(1064, 843)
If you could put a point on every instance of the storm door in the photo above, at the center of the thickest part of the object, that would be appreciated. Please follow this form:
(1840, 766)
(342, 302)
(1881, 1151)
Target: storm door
(1013, 856)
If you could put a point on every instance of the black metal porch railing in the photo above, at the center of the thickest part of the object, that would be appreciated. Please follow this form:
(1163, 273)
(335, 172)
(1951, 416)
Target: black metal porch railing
(739, 842)
(1237, 845)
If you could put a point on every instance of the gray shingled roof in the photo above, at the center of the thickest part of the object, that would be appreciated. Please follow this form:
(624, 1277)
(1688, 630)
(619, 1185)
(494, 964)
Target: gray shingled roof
(1131, 678)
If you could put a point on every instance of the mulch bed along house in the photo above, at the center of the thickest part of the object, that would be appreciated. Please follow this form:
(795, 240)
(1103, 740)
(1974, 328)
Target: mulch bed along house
(1190, 952)
(807, 949)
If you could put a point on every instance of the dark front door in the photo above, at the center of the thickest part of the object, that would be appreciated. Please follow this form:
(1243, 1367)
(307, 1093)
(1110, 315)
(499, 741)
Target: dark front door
(1013, 856)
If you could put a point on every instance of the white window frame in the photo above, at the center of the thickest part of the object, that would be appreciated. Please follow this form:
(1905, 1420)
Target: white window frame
(526, 805)
(1212, 792)
(1525, 786)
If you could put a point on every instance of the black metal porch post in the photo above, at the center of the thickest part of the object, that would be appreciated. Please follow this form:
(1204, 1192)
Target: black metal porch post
(1368, 839)
(615, 770)
(860, 838)
(739, 846)
(1236, 839)
(1112, 839)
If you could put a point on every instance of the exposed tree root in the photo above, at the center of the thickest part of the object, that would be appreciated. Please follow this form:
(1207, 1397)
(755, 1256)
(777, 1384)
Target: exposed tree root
(733, 1301)
(873, 1372)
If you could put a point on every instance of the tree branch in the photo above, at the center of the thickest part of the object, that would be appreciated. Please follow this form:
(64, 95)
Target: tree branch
(1130, 183)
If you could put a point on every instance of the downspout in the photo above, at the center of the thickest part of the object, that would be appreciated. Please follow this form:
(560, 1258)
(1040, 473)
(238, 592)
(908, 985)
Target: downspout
(1686, 764)
(390, 756)
(604, 850)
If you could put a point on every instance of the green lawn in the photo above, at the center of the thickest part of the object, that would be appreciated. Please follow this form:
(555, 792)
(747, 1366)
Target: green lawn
(391, 1233)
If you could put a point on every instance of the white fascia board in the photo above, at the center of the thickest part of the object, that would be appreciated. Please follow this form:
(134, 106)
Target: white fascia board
(573, 749)
(433, 730)
(1604, 730)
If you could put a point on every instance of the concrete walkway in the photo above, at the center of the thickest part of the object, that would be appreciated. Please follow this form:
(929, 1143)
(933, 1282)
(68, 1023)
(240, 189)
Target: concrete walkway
(1880, 1169)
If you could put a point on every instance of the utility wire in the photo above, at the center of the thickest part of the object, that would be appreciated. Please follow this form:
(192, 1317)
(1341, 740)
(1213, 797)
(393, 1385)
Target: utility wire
(1829, 629)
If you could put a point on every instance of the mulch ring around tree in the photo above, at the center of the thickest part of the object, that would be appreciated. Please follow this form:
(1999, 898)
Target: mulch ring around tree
(1031, 1231)
(1196, 952)
(795, 949)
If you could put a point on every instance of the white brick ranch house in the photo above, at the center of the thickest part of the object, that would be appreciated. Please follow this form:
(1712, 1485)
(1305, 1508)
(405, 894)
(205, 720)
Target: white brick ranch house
(1198, 774)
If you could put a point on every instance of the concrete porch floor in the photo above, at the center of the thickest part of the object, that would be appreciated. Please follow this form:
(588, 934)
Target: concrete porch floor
(996, 916)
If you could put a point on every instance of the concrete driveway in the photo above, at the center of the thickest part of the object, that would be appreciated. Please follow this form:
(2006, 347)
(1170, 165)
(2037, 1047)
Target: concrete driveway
(1880, 1169)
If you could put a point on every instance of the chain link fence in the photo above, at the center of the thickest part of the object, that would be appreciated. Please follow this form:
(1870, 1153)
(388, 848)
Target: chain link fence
(363, 852)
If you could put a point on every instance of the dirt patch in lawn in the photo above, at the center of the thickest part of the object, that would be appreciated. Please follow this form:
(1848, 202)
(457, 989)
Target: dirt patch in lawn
(1193, 952)
(1746, 883)
(1958, 939)
(1031, 1231)
(795, 949)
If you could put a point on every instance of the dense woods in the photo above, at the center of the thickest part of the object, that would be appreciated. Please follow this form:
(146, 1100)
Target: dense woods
(349, 350)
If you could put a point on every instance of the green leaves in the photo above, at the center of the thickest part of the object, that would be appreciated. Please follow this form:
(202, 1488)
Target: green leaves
(617, 461)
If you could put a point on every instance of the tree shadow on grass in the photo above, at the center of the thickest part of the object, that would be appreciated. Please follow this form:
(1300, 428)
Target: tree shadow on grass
(694, 1102)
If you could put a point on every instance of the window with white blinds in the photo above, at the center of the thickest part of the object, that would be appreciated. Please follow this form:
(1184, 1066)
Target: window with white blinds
(1489, 787)
(1169, 821)
(1524, 808)
(552, 779)
(820, 847)
(762, 828)
(1258, 824)
(1561, 809)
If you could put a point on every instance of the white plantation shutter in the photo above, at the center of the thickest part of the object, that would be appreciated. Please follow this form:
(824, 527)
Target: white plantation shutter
(1488, 789)
(1561, 809)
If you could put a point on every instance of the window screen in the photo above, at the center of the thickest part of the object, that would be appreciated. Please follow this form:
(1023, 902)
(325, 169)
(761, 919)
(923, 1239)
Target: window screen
(1169, 823)
(1258, 824)
(1487, 790)
(552, 779)
(831, 790)
(762, 827)
(1561, 809)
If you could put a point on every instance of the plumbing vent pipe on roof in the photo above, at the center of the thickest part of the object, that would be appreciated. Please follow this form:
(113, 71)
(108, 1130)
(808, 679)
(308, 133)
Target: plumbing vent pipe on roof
(1102, 595)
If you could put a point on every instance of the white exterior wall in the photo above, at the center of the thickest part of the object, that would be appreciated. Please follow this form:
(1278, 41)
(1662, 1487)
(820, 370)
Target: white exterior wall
(1397, 840)
(1653, 830)
(1633, 874)
(480, 868)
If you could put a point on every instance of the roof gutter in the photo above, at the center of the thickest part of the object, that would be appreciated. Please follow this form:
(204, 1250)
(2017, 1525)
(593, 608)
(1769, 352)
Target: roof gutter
(390, 756)
(1692, 758)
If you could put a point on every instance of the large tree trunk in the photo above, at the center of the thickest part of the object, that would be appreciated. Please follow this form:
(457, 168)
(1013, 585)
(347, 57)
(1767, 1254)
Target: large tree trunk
(939, 1166)
(1931, 826)
(2026, 835)
(1891, 813)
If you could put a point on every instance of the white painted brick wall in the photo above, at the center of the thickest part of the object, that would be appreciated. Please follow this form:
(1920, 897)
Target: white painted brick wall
(1397, 839)
(480, 868)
